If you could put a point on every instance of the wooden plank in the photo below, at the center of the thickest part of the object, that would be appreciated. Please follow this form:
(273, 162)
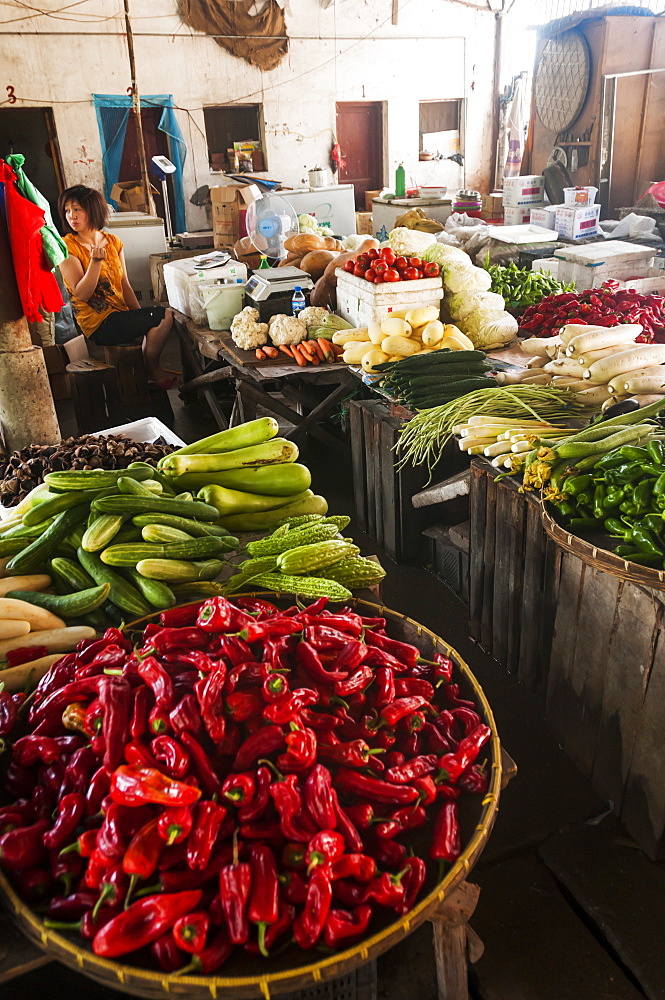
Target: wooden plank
(643, 807)
(516, 519)
(489, 556)
(477, 506)
(502, 561)
(369, 424)
(358, 461)
(17, 954)
(630, 661)
(410, 480)
(449, 489)
(532, 597)
(561, 698)
(550, 591)
(595, 626)
(390, 512)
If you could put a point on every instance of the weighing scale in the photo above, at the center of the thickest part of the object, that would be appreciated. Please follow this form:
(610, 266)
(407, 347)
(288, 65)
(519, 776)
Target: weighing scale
(161, 168)
(270, 289)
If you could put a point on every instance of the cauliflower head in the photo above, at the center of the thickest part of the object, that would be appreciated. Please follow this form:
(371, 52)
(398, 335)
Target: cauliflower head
(247, 333)
(287, 330)
(313, 316)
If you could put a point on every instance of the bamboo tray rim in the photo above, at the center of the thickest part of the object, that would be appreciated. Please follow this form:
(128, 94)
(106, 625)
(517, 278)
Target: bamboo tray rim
(599, 557)
(118, 975)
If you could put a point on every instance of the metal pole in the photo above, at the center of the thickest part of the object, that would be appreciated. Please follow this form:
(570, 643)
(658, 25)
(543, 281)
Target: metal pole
(136, 101)
(496, 110)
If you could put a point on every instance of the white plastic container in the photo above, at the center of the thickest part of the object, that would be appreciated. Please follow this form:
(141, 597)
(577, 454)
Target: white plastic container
(179, 275)
(222, 303)
(361, 302)
(576, 197)
(146, 430)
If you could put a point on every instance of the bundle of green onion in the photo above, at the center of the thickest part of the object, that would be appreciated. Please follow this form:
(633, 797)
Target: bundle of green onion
(423, 439)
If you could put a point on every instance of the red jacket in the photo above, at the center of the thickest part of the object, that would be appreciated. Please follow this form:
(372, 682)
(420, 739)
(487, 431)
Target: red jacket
(36, 282)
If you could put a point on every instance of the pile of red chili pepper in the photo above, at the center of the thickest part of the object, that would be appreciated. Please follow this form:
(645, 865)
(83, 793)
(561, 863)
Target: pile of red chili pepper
(243, 779)
(605, 306)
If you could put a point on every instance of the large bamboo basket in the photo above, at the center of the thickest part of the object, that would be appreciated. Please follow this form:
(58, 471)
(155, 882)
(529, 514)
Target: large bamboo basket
(598, 557)
(248, 977)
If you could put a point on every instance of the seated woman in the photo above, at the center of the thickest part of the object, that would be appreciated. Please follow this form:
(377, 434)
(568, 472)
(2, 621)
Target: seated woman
(104, 304)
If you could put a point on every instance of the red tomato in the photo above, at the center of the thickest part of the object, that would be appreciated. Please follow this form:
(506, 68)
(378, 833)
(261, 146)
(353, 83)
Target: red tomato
(379, 278)
(391, 275)
(380, 266)
(349, 266)
(370, 274)
(388, 254)
(432, 270)
(415, 262)
(363, 260)
(411, 274)
(401, 263)
(359, 270)
(373, 254)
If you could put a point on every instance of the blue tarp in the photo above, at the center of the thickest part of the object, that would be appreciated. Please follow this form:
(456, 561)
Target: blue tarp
(112, 117)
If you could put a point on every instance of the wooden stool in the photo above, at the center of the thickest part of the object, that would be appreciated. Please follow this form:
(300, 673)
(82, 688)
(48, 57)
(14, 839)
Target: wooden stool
(95, 393)
(132, 372)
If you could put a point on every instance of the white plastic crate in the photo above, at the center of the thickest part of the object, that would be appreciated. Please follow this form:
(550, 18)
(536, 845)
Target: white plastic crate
(361, 302)
(589, 266)
(146, 430)
(653, 283)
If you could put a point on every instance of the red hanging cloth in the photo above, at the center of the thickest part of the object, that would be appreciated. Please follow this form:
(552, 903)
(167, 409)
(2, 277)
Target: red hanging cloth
(36, 282)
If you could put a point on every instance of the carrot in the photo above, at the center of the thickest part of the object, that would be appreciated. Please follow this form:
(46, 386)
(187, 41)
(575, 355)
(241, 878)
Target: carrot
(260, 355)
(317, 347)
(272, 352)
(336, 349)
(285, 349)
(326, 349)
(300, 358)
(307, 347)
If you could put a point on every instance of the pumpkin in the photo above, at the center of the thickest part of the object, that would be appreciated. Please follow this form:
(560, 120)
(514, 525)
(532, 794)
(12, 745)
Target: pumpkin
(316, 261)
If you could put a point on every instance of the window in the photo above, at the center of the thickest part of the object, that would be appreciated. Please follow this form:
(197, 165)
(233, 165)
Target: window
(440, 126)
(235, 137)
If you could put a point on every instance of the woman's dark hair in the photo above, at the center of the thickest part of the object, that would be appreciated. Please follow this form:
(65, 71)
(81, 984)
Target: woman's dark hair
(90, 200)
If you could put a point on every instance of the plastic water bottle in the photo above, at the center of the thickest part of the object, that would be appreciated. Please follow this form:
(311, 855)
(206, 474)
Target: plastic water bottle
(298, 301)
(400, 182)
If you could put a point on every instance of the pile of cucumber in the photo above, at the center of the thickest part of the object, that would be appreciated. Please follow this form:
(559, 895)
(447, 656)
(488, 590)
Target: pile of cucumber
(426, 380)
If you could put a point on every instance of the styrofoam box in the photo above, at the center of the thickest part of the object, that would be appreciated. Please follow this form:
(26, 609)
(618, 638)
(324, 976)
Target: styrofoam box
(526, 190)
(544, 215)
(653, 283)
(590, 266)
(577, 223)
(361, 302)
(548, 265)
(518, 216)
(146, 430)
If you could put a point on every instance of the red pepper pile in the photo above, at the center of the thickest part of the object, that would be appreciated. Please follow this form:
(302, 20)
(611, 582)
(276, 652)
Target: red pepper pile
(243, 779)
(385, 265)
(605, 306)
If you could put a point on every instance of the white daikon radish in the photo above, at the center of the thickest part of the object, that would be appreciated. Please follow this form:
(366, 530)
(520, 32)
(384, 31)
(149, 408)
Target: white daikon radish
(644, 384)
(648, 400)
(537, 345)
(616, 384)
(555, 349)
(570, 330)
(375, 333)
(594, 396)
(564, 366)
(625, 361)
(537, 362)
(608, 336)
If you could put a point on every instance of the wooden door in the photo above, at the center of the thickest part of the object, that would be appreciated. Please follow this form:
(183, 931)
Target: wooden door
(156, 144)
(360, 136)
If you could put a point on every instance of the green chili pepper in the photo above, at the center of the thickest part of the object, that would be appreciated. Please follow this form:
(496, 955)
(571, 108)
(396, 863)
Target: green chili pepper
(644, 559)
(567, 509)
(611, 461)
(577, 484)
(644, 541)
(651, 470)
(583, 522)
(626, 550)
(628, 508)
(598, 501)
(659, 487)
(642, 496)
(614, 496)
(630, 453)
(627, 473)
(653, 522)
(584, 499)
(613, 526)
(656, 451)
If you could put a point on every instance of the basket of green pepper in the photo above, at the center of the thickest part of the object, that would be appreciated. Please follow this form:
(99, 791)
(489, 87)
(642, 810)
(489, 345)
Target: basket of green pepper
(521, 288)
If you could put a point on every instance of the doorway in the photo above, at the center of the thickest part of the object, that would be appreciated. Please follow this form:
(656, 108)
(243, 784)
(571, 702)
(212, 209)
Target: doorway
(360, 136)
(156, 143)
(31, 131)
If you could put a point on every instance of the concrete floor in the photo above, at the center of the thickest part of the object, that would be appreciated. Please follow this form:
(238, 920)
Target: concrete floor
(569, 909)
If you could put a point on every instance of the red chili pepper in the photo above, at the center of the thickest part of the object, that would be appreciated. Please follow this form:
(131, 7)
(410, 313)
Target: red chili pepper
(309, 660)
(209, 819)
(24, 654)
(292, 887)
(168, 752)
(426, 788)
(268, 832)
(387, 890)
(401, 707)
(308, 925)
(467, 752)
(467, 719)
(293, 856)
(406, 687)
(20, 781)
(181, 617)
(375, 657)
(255, 604)
(300, 756)
(142, 703)
(218, 615)
(409, 818)
(65, 868)
(111, 836)
(274, 687)
(159, 720)
(81, 763)
(52, 705)
(209, 694)
(165, 951)
(362, 815)
(248, 811)
(360, 867)
(356, 753)
(324, 637)
(70, 813)
(263, 900)
(285, 918)
(158, 680)
(294, 823)
(71, 907)
(174, 825)
(190, 932)
(407, 654)
(452, 694)
(287, 709)
(36, 749)
(210, 959)
(434, 740)
(98, 865)
(142, 855)
(144, 921)
(474, 781)
(271, 628)
(350, 624)
(84, 845)
(342, 926)
(413, 881)
(324, 848)
(201, 764)
(239, 789)
(133, 786)
(346, 828)
(318, 797)
(357, 682)
(98, 789)
(244, 705)
(249, 674)
(235, 882)
(8, 711)
(33, 884)
(446, 835)
(259, 744)
(417, 767)
(24, 847)
(373, 788)
(113, 888)
(386, 688)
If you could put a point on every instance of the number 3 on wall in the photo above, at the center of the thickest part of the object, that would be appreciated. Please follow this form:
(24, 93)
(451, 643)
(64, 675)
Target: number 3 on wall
(12, 97)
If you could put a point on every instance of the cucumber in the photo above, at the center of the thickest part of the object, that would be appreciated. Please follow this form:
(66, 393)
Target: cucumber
(267, 480)
(195, 528)
(163, 534)
(12, 546)
(154, 591)
(159, 505)
(82, 602)
(254, 432)
(178, 570)
(71, 573)
(56, 505)
(128, 533)
(102, 531)
(92, 479)
(195, 548)
(132, 487)
(199, 590)
(41, 549)
(155, 474)
(122, 593)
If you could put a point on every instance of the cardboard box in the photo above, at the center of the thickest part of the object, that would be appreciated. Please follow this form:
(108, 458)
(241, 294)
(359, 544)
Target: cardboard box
(577, 223)
(526, 190)
(364, 224)
(545, 216)
(368, 199)
(493, 206)
(518, 216)
(129, 197)
(218, 161)
(229, 205)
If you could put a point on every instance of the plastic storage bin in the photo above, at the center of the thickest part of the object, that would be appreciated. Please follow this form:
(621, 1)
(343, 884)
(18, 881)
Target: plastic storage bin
(222, 303)
(360, 302)
(574, 197)
(179, 274)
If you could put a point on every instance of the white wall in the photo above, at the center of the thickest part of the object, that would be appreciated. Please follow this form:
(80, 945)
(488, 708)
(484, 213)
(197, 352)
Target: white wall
(438, 50)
